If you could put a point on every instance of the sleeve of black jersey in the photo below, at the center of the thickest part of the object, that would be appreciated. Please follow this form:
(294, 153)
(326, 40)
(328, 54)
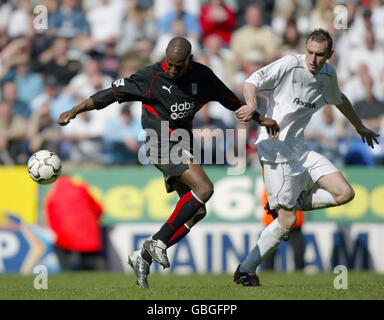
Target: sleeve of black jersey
(103, 98)
(219, 92)
(134, 88)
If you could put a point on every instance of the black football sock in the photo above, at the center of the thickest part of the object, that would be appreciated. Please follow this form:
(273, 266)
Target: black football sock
(185, 209)
(178, 235)
(146, 256)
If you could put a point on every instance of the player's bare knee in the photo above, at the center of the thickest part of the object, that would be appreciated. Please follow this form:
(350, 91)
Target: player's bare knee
(345, 195)
(287, 218)
(291, 221)
(204, 191)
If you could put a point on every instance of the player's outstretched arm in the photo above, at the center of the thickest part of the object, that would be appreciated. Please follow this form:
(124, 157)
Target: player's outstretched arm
(349, 112)
(245, 113)
(97, 101)
(67, 116)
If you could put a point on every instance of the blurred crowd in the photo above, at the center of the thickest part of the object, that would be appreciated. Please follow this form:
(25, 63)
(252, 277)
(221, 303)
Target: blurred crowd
(86, 45)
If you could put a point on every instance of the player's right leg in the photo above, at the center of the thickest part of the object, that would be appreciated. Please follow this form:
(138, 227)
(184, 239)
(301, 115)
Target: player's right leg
(140, 267)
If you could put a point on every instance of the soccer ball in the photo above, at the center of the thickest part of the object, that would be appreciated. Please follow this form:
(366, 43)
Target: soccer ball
(44, 167)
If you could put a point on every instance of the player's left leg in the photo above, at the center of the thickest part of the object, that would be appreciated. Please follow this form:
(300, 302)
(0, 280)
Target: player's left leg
(182, 189)
(329, 187)
(180, 233)
(283, 185)
(268, 241)
(141, 260)
(186, 208)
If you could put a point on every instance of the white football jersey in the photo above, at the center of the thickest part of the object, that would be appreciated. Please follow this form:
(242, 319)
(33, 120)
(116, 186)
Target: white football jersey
(293, 94)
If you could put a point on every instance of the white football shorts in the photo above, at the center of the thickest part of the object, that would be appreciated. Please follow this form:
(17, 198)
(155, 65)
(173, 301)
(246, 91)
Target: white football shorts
(284, 182)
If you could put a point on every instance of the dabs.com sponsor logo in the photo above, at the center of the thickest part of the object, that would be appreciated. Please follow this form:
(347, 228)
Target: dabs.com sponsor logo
(182, 110)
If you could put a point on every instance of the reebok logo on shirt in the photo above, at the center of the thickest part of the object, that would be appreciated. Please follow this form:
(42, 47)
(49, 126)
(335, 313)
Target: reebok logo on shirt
(304, 103)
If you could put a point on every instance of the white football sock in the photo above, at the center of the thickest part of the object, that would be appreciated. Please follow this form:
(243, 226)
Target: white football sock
(317, 198)
(267, 243)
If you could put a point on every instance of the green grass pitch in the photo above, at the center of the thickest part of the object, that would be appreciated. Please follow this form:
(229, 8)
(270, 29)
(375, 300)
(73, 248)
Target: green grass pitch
(119, 286)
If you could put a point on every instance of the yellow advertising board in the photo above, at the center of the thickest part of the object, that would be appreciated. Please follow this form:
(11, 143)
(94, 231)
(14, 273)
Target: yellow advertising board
(18, 193)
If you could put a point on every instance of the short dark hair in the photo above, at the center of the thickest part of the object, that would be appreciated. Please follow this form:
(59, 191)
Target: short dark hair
(321, 35)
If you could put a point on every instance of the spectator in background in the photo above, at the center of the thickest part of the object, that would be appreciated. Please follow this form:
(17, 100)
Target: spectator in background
(371, 112)
(50, 91)
(6, 8)
(42, 39)
(54, 95)
(20, 20)
(77, 227)
(105, 22)
(217, 19)
(129, 66)
(29, 83)
(377, 19)
(288, 10)
(178, 30)
(120, 138)
(254, 36)
(138, 25)
(370, 109)
(143, 51)
(85, 136)
(12, 135)
(163, 7)
(373, 57)
(350, 38)
(83, 139)
(89, 80)
(109, 62)
(292, 41)
(10, 95)
(368, 53)
(220, 59)
(354, 85)
(43, 133)
(253, 61)
(70, 22)
(322, 15)
(55, 62)
(190, 21)
(11, 55)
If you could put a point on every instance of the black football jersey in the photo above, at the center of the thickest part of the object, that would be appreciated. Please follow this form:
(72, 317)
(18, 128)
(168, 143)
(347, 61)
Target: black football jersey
(173, 100)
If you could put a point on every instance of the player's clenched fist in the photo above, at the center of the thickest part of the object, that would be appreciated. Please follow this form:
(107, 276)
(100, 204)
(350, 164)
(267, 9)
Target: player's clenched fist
(65, 117)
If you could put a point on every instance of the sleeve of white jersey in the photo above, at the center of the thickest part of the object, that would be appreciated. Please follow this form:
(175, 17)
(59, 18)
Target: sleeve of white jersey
(333, 93)
(268, 77)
